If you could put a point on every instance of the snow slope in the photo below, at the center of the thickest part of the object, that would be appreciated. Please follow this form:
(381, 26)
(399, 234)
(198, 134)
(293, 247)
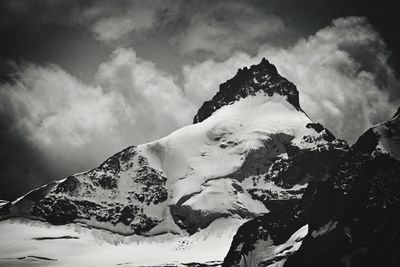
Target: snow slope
(218, 146)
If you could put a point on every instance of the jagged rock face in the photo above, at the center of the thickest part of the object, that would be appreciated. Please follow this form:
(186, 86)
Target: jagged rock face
(355, 220)
(286, 176)
(262, 77)
(252, 242)
(117, 195)
(117, 192)
(250, 155)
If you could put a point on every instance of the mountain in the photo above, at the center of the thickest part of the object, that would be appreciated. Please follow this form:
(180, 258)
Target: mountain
(356, 219)
(248, 153)
(352, 217)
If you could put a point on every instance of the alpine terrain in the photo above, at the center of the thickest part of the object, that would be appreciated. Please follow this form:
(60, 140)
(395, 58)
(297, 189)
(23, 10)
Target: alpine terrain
(252, 155)
(350, 219)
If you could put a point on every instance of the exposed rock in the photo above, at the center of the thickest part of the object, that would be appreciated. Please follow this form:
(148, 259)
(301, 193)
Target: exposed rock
(96, 195)
(275, 227)
(248, 81)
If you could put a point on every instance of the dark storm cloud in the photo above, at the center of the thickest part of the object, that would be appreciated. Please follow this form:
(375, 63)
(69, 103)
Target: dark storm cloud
(81, 80)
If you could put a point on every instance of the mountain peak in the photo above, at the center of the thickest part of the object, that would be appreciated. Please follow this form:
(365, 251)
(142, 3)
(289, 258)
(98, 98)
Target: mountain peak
(247, 81)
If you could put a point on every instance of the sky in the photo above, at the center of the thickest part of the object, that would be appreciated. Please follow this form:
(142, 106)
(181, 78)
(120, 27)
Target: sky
(81, 80)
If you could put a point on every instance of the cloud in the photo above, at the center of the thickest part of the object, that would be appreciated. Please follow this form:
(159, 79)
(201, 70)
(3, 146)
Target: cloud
(342, 73)
(52, 107)
(72, 126)
(154, 97)
(107, 20)
(227, 26)
(51, 118)
(110, 29)
(111, 21)
(137, 18)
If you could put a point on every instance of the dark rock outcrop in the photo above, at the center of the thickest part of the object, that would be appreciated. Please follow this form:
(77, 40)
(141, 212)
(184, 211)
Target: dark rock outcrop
(262, 77)
(278, 226)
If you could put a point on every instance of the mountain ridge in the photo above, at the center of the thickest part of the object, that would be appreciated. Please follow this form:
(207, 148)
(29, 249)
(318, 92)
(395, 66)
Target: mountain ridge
(143, 175)
(244, 158)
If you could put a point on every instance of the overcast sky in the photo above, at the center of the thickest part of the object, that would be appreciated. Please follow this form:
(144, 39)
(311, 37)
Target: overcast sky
(81, 80)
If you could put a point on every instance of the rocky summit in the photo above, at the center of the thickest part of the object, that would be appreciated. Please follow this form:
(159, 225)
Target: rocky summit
(262, 77)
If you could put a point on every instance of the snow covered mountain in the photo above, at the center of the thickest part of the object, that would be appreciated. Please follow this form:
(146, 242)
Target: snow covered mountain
(353, 217)
(251, 149)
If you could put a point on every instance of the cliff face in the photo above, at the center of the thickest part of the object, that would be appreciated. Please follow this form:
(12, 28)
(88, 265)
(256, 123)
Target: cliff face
(352, 217)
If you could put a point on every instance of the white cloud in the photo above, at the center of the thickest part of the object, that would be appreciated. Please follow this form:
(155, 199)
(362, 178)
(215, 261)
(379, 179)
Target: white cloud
(50, 105)
(155, 99)
(75, 124)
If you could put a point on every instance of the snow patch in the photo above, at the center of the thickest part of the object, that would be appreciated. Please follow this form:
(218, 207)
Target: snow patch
(274, 255)
(94, 247)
